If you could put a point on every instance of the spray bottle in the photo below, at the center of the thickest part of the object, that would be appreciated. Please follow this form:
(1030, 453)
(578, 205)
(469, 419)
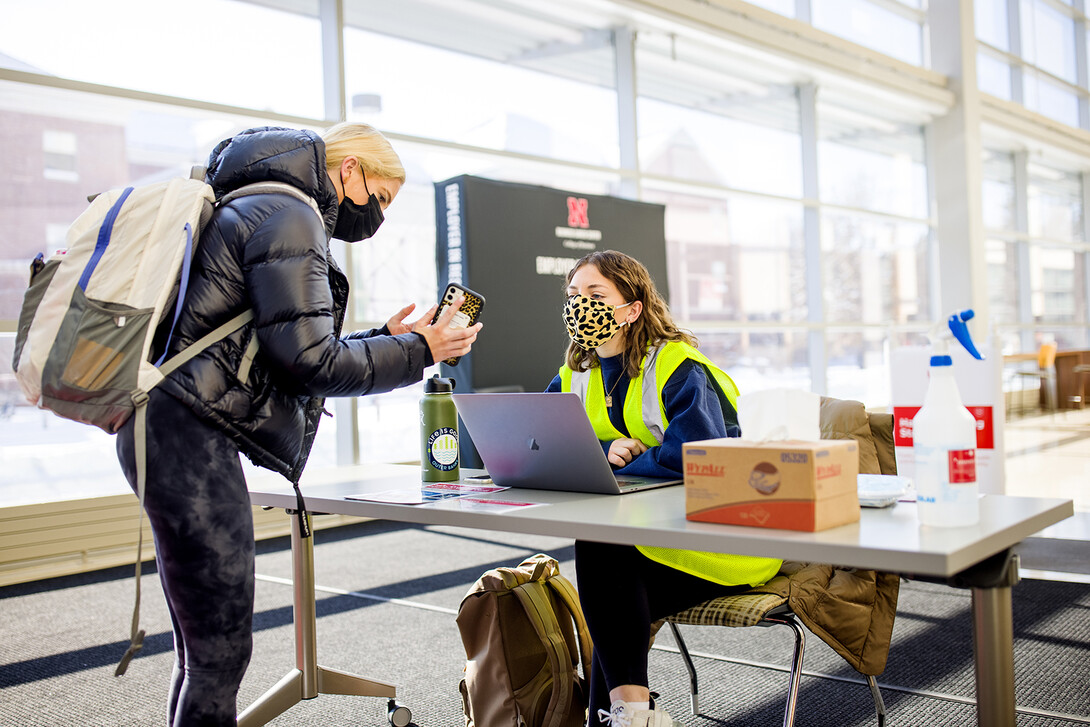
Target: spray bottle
(944, 436)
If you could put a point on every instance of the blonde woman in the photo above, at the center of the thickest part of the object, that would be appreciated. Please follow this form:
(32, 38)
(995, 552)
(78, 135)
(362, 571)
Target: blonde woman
(260, 391)
(647, 390)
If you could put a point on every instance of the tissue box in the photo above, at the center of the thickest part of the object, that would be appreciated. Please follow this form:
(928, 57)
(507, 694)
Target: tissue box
(780, 484)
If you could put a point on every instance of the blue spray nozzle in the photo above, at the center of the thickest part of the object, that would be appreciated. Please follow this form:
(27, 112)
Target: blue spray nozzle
(961, 331)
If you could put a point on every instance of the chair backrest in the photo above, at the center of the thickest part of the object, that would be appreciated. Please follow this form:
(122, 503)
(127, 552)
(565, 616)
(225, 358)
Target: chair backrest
(1046, 356)
(848, 419)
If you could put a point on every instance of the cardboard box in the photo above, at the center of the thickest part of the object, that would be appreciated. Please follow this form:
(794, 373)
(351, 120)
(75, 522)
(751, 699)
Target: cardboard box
(783, 484)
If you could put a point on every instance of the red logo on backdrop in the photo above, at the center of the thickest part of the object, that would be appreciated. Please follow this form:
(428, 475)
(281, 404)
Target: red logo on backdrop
(577, 212)
(902, 425)
(962, 466)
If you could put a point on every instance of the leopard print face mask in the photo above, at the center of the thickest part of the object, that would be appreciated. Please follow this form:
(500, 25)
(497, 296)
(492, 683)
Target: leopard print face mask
(590, 323)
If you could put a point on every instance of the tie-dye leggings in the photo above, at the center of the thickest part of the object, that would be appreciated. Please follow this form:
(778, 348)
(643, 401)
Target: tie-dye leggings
(199, 509)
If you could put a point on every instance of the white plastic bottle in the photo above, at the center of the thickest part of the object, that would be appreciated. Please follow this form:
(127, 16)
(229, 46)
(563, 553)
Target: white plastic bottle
(944, 439)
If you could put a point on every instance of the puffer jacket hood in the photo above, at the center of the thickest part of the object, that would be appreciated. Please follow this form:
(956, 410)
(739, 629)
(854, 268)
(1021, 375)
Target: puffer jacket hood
(271, 154)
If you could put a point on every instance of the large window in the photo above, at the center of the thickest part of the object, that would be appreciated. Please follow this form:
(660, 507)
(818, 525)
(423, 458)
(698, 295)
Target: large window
(1057, 268)
(1037, 258)
(229, 52)
(875, 245)
(62, 147)
(412, 88)
(1029, 53)
(875, 270)
(755, 148)
(871, 163)
(720, 147)
(894, 28)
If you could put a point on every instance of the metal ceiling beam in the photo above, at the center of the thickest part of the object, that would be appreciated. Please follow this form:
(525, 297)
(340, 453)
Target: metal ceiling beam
(765, 30)
(1053, 137)
(593, 39)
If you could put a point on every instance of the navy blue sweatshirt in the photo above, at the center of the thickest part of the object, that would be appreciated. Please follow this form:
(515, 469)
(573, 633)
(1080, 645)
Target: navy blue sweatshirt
(692, 410)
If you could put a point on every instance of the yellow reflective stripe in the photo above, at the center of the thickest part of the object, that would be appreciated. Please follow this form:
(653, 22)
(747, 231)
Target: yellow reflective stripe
(565, 378)
(597, 410)
(722, 568)
(675, 352)
(588, 386)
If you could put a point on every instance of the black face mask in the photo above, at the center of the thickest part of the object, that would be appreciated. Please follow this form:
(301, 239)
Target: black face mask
(357, 222)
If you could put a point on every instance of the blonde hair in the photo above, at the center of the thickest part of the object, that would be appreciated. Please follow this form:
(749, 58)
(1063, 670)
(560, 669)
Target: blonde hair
(367, 145)
(655, 325)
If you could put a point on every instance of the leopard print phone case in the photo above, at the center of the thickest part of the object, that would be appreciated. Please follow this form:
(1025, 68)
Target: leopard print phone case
(467, 315)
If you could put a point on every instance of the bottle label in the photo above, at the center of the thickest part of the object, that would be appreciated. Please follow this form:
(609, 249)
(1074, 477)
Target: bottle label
(944, 476)
(443, 449)
(962, 464)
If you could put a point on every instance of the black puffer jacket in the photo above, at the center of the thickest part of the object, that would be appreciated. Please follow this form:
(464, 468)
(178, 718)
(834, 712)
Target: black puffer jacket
(270, 252)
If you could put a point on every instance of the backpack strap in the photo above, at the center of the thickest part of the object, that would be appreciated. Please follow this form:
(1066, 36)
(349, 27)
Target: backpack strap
(183, 283)
(547, 570)
(567, 593)
(140, 453)
(270, 188)
(217, 335)
(535, 601)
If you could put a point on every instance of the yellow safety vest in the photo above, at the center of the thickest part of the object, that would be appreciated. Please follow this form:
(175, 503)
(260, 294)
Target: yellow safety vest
(645, 418)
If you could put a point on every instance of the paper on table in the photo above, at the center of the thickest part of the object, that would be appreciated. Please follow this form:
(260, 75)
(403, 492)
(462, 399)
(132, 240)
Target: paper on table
(883, 490)
(480, 504)
(426, 493)
(395, 497)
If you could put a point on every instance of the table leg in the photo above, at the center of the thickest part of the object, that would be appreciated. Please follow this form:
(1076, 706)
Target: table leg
(993, 652)
(308, 679)
(993, 640)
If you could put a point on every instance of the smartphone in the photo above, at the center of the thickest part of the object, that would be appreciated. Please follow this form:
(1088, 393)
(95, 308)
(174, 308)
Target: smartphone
(467, 315)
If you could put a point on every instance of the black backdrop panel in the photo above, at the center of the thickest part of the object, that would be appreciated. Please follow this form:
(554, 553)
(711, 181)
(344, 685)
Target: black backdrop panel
(514, 244)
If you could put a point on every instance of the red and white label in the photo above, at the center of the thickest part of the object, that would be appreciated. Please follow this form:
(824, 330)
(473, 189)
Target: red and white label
(962, 464)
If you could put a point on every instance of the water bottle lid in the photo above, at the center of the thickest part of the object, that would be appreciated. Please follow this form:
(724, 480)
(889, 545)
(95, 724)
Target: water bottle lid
(436, 385)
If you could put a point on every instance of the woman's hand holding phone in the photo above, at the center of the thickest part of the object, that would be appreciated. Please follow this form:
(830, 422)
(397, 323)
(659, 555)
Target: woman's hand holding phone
(445, 342)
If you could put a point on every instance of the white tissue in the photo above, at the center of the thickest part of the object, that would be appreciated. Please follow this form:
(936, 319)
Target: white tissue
(775, 414)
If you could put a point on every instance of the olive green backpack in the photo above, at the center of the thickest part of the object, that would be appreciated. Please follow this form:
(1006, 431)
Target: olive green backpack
(524, 636)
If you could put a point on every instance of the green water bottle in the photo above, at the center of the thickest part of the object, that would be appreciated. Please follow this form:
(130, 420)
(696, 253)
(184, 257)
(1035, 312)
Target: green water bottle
(438, 431)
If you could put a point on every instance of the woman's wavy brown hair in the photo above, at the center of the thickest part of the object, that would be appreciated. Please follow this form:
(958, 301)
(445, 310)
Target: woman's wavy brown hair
(655, 324)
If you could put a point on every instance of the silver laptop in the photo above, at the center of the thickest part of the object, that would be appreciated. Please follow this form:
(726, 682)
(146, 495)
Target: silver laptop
(543, 441)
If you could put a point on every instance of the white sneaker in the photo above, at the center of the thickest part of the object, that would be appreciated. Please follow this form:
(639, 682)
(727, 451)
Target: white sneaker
(620, 714)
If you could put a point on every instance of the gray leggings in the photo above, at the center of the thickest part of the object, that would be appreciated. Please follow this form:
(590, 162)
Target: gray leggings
(200, 514)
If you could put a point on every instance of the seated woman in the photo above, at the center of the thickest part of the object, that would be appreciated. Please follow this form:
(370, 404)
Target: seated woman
(647, 391)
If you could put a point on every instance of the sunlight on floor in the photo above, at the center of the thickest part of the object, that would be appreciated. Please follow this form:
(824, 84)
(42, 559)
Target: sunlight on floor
(1049, 456)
